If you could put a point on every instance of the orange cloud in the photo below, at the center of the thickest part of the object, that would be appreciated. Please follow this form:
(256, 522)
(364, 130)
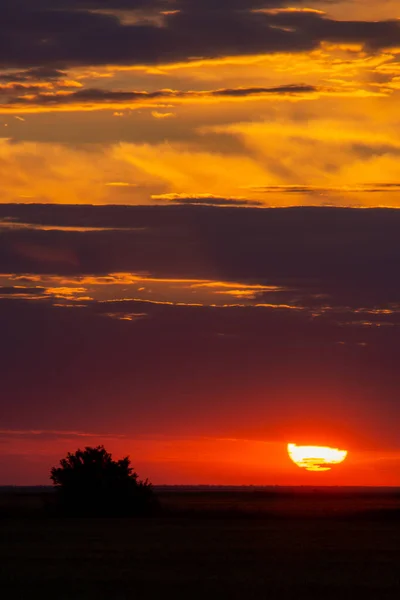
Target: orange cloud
(160, 115)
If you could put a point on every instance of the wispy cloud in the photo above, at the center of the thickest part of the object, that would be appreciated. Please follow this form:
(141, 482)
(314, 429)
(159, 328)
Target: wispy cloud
(368, 188)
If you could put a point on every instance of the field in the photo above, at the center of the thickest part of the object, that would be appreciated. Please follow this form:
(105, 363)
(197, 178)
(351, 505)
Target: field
(209, 544)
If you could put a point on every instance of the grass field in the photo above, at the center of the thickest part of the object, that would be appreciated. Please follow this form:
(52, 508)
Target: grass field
(208, 554)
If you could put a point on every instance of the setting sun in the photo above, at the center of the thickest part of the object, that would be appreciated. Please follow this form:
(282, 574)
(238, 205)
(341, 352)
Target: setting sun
(316, 458)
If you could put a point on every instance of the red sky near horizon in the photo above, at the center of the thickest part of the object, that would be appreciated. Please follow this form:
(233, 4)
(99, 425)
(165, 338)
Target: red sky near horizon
(201, 461)
(199, 237)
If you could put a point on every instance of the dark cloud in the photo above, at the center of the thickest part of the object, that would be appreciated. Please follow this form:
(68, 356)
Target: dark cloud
(333, 256)
(34, 74)
(282, 89)
(374, 34)
(204, 200)
(20, 291)
(159, 5)
(40, 36)
(99, 96)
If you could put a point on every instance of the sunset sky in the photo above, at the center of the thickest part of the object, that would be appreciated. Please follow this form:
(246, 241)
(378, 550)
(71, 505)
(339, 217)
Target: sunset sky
(188, 270)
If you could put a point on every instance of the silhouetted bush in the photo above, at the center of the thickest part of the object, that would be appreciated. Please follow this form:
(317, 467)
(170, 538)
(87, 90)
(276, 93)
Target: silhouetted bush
(90, 483)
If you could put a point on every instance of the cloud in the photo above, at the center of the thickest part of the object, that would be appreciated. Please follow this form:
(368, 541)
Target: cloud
(52, 434)
(320, 190)
(33, 74)
(42, 36)
(283, 89)
(205, 200)
(20, 291)
(98, 99)
(279, 163)
(317, 257)
(160, 115)
(136, 287)
(120, 184)
(158, 5)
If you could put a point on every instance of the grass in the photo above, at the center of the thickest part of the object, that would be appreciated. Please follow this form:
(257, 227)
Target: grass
(215, 556)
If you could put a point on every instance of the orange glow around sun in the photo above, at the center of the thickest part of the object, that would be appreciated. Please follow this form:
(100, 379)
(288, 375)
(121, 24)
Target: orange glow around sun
(316, 458)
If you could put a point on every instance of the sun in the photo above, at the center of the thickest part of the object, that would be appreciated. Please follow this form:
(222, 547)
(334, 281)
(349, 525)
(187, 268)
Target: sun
(316, 458)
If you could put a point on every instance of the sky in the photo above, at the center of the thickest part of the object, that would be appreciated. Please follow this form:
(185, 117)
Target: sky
(199, 237)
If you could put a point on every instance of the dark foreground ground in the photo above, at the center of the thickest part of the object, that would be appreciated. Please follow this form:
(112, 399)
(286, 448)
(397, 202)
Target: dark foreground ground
(321, 554)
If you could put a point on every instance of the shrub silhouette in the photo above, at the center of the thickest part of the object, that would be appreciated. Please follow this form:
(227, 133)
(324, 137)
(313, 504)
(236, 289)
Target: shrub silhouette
(90, 483)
